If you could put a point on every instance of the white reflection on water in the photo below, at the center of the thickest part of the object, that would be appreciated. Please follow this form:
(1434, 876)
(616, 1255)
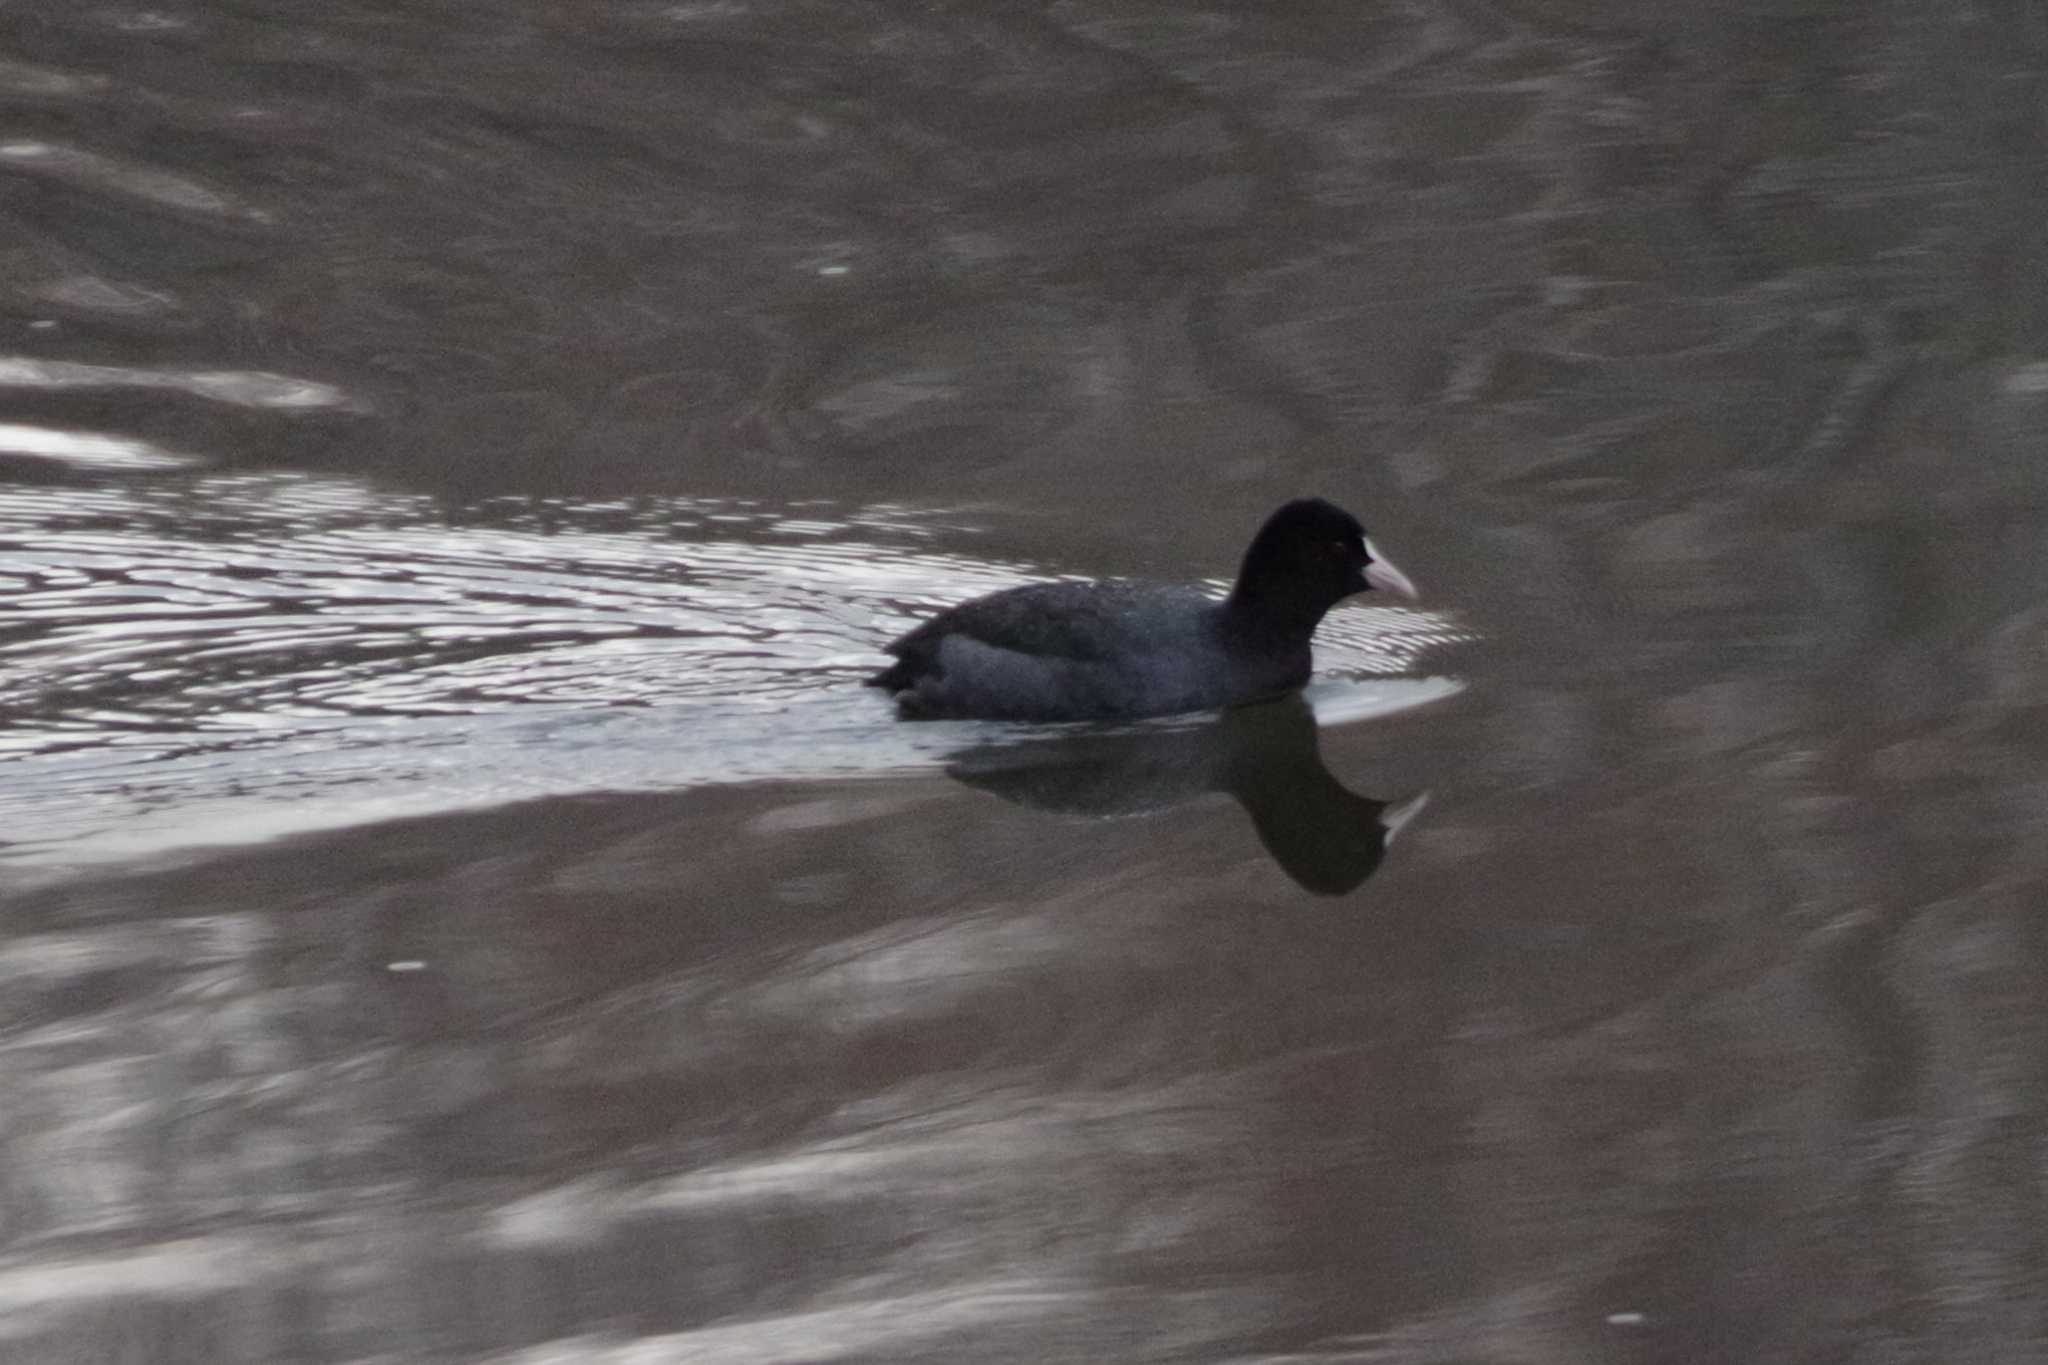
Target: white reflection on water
(86, 450)
(149, 185)
(243, 388)
(229, 658)
(192, 1268)
(867, 1330)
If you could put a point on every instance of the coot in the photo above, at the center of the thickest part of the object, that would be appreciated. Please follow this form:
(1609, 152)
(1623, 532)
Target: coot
(1119, 649)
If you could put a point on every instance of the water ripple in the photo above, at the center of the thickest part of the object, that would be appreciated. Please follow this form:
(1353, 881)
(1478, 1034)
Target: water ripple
(151, 185)
(86, 450)
(243, 388)
(183, 649)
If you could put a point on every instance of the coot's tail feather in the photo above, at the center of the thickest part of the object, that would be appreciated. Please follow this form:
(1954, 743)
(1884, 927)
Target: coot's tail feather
(896, 677)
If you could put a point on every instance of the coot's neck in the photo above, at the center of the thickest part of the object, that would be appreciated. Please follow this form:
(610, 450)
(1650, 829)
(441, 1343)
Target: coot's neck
(1271, 610)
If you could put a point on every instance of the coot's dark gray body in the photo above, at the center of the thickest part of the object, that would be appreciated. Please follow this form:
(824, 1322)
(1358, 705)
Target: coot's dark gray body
(1109, 650)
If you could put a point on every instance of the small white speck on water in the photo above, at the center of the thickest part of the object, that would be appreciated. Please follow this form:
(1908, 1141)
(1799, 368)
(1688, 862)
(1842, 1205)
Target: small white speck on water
(2027, 379)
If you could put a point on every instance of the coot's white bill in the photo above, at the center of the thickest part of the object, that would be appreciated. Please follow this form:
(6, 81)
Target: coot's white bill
(1383, 575)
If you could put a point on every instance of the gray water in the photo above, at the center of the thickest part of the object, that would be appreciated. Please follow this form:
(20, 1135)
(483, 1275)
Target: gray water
(457, 903)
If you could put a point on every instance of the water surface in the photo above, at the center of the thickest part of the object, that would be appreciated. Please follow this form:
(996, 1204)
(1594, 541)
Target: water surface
(458, 459)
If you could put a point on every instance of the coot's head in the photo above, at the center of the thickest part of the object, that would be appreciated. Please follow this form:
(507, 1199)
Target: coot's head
(1313, 550)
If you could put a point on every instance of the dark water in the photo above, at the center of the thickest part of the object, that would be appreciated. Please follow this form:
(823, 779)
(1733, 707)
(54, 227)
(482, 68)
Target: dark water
(458, 459)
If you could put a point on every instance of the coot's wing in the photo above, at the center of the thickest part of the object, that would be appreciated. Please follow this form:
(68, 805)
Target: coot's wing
(1084, 622)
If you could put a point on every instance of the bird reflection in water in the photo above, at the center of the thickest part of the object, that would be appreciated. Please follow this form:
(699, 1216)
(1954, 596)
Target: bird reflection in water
(1324, 836)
